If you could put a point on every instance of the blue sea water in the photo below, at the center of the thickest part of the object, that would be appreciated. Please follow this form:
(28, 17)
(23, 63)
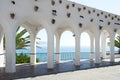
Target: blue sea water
(66, 53)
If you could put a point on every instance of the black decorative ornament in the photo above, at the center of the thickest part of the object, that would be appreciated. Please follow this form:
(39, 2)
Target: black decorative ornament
(36, 8)
(80, 25)
(12, 15)
(100, 27)
(53, 21)
(13, 2)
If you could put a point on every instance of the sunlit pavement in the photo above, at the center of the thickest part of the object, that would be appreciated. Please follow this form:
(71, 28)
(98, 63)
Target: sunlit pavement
(66, 71)
(104, 73)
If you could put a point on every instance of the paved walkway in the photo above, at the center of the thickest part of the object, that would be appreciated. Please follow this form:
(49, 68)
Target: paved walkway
(66, 71)
(106, 73)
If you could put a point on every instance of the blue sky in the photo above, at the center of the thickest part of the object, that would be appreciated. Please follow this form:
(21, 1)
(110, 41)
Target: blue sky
(112, 6)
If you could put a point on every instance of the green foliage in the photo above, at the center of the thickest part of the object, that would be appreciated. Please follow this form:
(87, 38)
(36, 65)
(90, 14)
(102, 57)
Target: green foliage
(23, 40)
(23, 58)
(117, 43)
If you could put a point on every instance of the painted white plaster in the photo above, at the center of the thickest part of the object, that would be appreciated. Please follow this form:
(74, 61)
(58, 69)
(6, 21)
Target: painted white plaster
(54, 18)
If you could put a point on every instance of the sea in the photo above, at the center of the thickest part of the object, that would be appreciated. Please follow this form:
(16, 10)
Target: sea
(66, 53)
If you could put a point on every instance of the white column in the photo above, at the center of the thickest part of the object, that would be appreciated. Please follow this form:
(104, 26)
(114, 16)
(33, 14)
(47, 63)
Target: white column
(32, 49)
(10, 50)
(50, 51)
(112, 39)
(77, 50)
(103, 44)
(57, 49)
(2, 54)
(91, 48)
(97, 48)
(1, 43)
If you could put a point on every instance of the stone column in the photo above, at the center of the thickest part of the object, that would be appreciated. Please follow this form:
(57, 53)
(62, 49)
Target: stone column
(2, 53)
(91, 47)
(1, 43)
(50, 51)
(57, 49)
(32, 49)
(103, 44)
(10, 35)
(77, 50)
(97, 48)
(112, 55)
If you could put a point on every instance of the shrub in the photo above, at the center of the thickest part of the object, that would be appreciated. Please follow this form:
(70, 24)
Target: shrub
(23, 58)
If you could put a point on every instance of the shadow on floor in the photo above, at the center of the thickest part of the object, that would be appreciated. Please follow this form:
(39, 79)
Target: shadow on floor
(28, 71)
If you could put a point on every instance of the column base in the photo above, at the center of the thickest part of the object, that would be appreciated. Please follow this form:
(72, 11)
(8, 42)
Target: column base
(57, 58)
(49, 66)
(57, 62)
(10, 70)
(77, 64)
(111, 61)
(32, 64)
(32, 59)
(97, 64)
(50, 69)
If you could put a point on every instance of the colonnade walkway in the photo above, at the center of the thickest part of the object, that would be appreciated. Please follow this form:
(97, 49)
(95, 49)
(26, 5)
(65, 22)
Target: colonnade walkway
(40, 69)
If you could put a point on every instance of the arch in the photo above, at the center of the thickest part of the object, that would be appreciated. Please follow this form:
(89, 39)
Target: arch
(104, 39)
(66, 26)
(24, 35)
(33, 24)
(117, 50)
(118, 32)
(90, 29)
(67, 46)
(108, 30)
(36, 21)
(87, 45)
(42, 53)
(2, 54)
(59, 30)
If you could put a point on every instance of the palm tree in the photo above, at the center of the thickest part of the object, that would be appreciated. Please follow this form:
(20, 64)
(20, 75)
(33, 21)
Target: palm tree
(22, 42)
(23, 39)
(117, 43)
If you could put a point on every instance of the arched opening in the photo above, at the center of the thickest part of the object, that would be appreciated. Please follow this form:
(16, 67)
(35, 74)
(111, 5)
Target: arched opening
(117, 48)
(85, 46)
(2, 47)
(22, 45)
(41, 52)
(105, 45)
(117, 45)
(67, 46)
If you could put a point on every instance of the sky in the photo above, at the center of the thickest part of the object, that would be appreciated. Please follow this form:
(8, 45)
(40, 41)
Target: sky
(112, 6)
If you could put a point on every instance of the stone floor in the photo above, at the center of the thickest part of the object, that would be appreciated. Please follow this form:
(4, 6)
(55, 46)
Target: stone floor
(40, 69)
